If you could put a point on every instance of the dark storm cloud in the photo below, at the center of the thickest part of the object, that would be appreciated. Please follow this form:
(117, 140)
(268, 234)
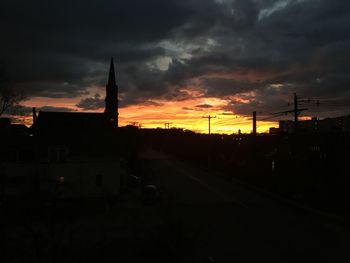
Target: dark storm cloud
(61, 42)
(20, 110)
(304, 47)
(91, 103)
(59, 48)
(218, 87)
(58, 109)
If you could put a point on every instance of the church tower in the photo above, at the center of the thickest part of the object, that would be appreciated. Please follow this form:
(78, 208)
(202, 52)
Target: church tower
(111, 109)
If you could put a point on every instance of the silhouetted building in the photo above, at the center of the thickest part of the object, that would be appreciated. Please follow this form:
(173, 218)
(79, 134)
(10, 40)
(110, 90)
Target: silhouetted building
(4, 122)
(70, 123)
(286, 126)
(65, 125)
(111, 109)
(7, 129)
(274, 130)
(73, 154)
(80, 124)
(338, 124)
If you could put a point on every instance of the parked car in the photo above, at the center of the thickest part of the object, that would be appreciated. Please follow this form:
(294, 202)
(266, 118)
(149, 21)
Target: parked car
(150, 194)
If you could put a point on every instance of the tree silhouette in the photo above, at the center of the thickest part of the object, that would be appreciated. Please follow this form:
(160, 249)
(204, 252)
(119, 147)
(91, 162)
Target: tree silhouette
(8, 96)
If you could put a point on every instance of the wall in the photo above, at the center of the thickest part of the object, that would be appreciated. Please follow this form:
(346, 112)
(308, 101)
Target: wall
(78, 179)
(74, 179)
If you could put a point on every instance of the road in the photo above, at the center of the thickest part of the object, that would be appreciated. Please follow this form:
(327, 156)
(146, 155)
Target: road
(199, 215)
(209, 216)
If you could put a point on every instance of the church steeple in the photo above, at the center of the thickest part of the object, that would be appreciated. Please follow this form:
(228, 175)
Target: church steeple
(111, 109)
(111, 76)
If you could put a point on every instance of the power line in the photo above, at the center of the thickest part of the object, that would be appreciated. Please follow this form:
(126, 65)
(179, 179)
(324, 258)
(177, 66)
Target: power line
(271, 117)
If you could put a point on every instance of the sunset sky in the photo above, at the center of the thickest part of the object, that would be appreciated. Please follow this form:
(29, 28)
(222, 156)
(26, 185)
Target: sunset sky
(177, 61)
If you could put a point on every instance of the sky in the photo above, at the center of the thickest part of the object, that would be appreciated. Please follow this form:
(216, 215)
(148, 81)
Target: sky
(180, 60)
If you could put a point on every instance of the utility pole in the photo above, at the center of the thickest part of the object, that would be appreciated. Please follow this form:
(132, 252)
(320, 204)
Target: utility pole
(296, 113)
(209, 118)
(167, 125)
(254, 123)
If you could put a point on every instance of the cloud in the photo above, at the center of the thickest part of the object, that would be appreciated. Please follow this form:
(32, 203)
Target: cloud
(222, 48)
(187, 108)
(21, 110)
(204, 106)
(91, 103)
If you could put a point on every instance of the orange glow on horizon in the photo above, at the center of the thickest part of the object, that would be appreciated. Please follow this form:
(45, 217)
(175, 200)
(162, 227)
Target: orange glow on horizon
(187, 114)
(182, 115)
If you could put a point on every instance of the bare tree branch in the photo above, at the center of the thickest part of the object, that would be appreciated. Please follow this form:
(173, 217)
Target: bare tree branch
(8, 96)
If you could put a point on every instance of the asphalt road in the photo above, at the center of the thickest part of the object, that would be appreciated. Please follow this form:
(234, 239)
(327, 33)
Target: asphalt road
(209, 216)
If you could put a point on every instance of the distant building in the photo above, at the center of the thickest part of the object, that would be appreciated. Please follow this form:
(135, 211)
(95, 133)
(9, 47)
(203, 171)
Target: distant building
(286, 126)
(274, 130)
(338, 124)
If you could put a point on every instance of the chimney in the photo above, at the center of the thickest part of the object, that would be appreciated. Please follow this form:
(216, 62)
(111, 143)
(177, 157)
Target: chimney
(34, 115)
(254, 123)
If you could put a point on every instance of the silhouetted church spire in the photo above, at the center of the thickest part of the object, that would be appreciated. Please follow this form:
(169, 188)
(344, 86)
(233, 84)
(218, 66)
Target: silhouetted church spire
(111, 76)
(111, 109)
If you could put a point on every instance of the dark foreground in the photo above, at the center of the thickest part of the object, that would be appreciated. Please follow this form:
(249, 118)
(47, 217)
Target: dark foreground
(199, 215)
